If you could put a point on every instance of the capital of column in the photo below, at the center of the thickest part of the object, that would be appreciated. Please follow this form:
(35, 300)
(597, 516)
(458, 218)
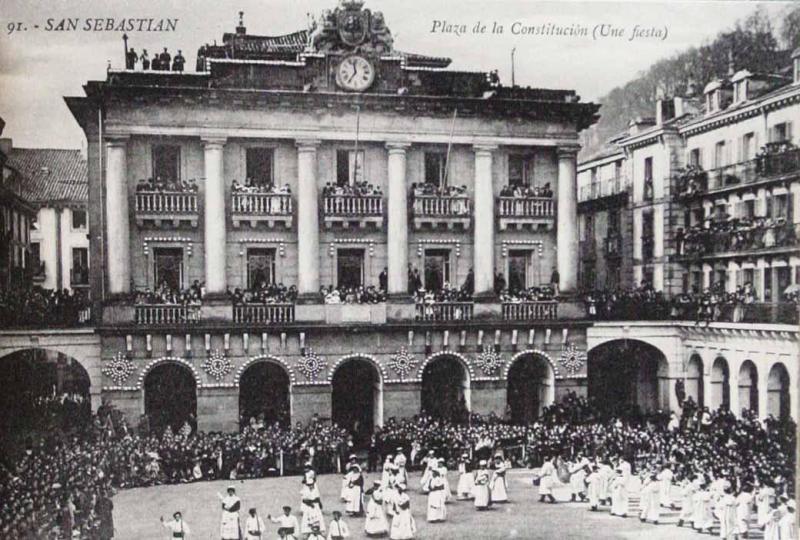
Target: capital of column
(307, 145)
(116, 141)
(568, 151)
(484, 149)
(212, 142)
(396, 147)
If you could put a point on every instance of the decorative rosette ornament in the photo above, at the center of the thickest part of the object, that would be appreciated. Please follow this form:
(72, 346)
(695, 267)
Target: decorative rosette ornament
(402, 362)
(119, 369)
(311, 365)
(488, 360)
(572, 359)
(217, 365)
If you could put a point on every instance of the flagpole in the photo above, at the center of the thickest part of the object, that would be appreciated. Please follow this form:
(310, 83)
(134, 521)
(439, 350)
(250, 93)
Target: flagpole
(449, 146)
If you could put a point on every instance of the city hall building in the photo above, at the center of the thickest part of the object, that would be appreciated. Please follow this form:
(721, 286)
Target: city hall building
(329, 159)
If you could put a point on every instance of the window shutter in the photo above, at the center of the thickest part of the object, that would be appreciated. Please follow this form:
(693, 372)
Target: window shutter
(789, 131)
(740, 156)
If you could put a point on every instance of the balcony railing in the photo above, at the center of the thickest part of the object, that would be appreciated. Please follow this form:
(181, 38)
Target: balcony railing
(706, 242)
(732, 175)
(436, 209)
(603, 188)
(156, 315)
(263, 313)
(520, 212)
(344, 209)
(780, 163)
(530, 311)
(161, 206)
(445, 311)
(255, 208)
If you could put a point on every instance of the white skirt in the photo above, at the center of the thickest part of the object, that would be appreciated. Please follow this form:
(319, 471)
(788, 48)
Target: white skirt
(403, 526)
(229, 526)
(376, 519)
(437, 511)
(466, 483)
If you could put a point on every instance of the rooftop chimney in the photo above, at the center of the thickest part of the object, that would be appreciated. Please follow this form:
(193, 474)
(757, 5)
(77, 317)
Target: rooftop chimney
(5, 145)
(241, 30)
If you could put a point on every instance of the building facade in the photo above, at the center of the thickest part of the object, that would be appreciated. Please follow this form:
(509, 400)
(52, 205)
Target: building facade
(330, 159)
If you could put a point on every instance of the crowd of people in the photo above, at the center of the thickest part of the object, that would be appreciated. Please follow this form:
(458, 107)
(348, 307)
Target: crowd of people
(352, 295)
(734, 235)
(35, 306)
(264, 293)
(254, 185)
(165, 294)
(159, 184)
(356, 189)
(527, 192)
(162, 61)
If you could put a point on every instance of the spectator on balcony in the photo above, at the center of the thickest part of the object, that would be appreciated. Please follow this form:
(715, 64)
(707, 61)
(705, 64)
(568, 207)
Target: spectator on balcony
(164, 60)
(145, 58)
(383, 280)
(130, 59)
(414, 280)
(499, 283)
(469, 283)
(178, 62)
(554, 279)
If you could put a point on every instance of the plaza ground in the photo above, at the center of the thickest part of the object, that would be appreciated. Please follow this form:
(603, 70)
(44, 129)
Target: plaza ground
(136, 512)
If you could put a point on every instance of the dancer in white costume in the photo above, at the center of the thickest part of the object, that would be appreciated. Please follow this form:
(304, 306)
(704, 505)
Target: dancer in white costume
(482, 500)
(403, 525)
(229, 523)
(466, 482)
(288, 527)
(437, 511)
(499, 493)
(375, 524)
(177, 526)
(312, 508)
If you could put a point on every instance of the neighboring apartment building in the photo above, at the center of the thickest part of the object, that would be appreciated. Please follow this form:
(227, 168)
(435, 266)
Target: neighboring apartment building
(57, 186)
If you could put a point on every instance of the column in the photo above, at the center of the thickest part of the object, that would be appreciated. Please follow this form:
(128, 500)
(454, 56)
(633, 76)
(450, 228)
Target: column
(214, 225)
(117, 219)
(483, 235)
(567, 229)
(307, 218)
(397, 234)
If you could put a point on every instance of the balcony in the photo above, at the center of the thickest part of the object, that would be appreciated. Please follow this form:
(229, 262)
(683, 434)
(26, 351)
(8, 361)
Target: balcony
(601, 189)
(79, 277)
(360, 210)
(160, 207)
(166, 315)
(270, 209)
(444, 210)
(525, 212)
(724, 239)
(781, 161)
(263, 313)
(530, 311)
(445, 311)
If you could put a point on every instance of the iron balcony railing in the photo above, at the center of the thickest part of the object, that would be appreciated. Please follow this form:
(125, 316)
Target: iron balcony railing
(445, 311)
(166, 202)
(530, 311)
(158, 315)
(352, 205)
(263, 313)
(270, 204)
(603, 188)
(441, 206)
(522, 207)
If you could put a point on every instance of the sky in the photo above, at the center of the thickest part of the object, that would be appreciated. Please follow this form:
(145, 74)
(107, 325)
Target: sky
(38, 67)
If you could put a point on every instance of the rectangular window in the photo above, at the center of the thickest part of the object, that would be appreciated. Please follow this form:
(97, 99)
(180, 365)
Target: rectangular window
(748, 276)
(780, 206)
(519, 270)
(520, 170)
(617, 169)
(613, 222)
(648, 169)
(647, 236)
(437, 269)
(166, 163)
(79, 219)
(260, 268)
(80, 266)
(435, 168)
(349, 167)
(168, 269)
(259, 166)
(694, 158)
(349, 268)
(719, 154)
(781, 132)
(748, 146)
(36, 254)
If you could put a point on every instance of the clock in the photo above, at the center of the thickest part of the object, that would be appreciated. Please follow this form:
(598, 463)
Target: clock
(355, 73)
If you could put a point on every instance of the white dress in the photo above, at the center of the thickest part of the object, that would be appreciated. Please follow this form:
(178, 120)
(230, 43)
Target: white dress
(726, 513)
(498, 485)
(481, 488)
(312, 510)
(665, 480)
(403, 525)
(437, 511)
(619, 497)
(576, 478)
(763, 502)
(254, 528)
(466, 482)
(743, 502)
(229, 523)
(376, 523)
(354, 489)
(593, 491)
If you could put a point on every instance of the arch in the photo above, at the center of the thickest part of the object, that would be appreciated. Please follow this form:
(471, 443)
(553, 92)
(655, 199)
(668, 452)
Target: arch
(748, 387)
(170, 394)
(720, 384)
(33, 375)
(531, 386)
(535, 352)
(778, 388)
(694, 380)
(444, 394)
(167, 359)
(265, 392)
(628, 375)
(264, 358)
(357, 395)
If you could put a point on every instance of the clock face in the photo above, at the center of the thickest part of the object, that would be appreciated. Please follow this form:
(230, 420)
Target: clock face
(355, 73)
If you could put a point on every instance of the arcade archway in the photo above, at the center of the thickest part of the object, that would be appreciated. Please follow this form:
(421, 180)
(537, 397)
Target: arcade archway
(357, 398)
(264, 395)
(170, 397)
(748, 387)
(42, 391)
(530, 387)
(694, 380)
(626, 376)
(720, 385)
(446, 388)
(778, 402)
